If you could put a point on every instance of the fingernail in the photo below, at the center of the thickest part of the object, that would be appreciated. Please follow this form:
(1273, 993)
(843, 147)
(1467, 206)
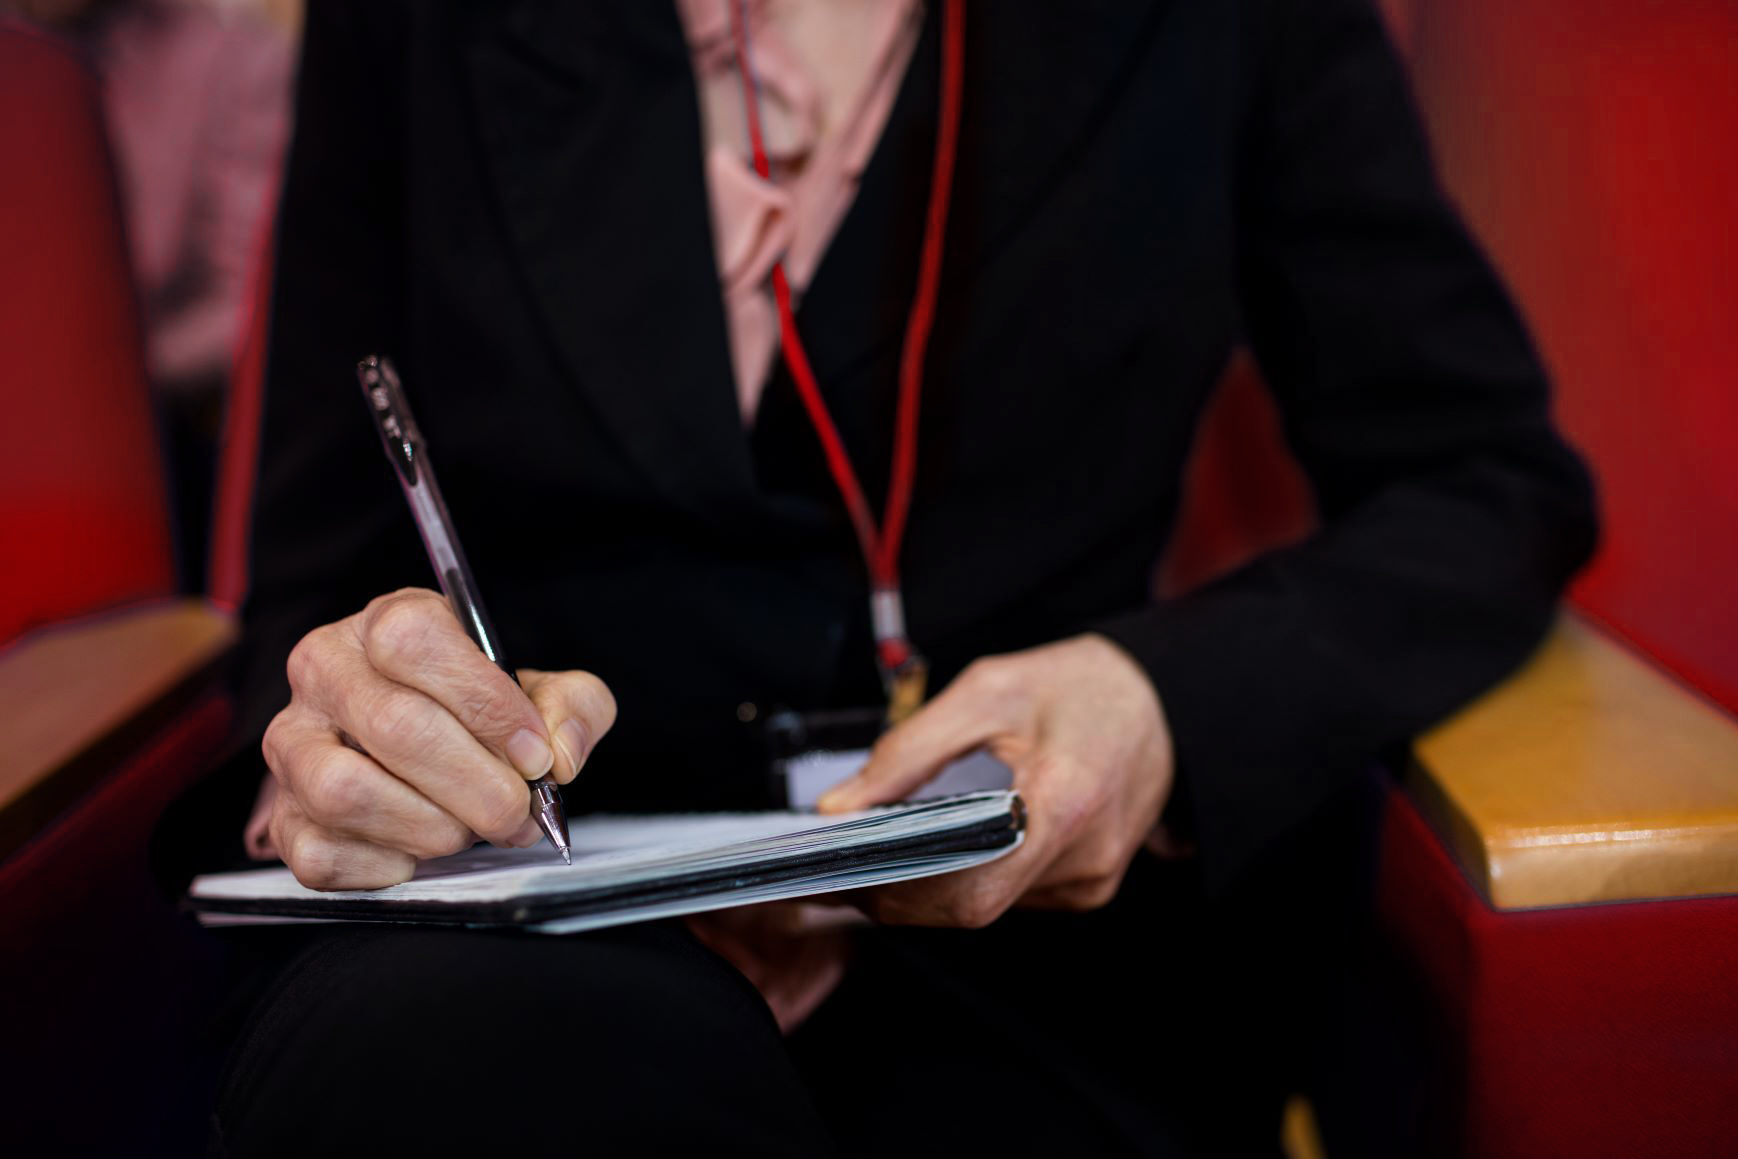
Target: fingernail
(529, 754)
(571, 738)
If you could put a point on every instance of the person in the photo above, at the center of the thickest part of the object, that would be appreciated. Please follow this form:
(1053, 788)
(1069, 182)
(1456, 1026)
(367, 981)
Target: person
(549, 216)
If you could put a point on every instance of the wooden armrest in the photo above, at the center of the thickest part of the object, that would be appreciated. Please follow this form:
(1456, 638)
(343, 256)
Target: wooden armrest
(76, 697)
(1588, 776)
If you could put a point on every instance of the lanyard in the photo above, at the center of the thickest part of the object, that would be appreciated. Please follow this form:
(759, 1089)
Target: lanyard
(903, 669)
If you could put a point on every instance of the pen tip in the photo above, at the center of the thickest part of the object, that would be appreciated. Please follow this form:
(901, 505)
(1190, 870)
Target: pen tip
(566, 857)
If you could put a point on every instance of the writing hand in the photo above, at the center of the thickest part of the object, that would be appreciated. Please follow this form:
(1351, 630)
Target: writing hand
(402, 741)
(1084, 732)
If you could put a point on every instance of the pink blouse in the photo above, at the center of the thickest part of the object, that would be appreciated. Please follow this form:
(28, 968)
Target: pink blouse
(828, 72)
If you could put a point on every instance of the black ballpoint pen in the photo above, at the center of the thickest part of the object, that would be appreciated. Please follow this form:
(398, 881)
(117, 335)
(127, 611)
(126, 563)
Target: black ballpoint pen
(404, 447)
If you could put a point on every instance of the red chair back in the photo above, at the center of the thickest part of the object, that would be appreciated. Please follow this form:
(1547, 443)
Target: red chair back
(1589, 142)
(83, 512)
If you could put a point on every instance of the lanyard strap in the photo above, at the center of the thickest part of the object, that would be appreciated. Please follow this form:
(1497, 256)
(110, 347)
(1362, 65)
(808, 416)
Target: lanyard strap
(880, 544)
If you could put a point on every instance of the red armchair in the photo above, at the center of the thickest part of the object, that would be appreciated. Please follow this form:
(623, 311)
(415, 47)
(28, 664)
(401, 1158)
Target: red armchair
(1578, 921)
(107, 703)
(1559, 867)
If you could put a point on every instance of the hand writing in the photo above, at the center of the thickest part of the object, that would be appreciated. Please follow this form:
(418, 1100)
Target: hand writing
(403, 741)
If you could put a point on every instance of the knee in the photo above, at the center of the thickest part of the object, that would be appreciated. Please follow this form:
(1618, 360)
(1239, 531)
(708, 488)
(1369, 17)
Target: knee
(442, 1039)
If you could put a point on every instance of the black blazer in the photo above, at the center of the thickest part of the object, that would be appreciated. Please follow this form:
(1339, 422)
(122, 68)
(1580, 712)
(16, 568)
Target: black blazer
(509, 199)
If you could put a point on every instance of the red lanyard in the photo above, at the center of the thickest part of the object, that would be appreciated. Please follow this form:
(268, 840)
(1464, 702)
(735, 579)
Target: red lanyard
(901, 666)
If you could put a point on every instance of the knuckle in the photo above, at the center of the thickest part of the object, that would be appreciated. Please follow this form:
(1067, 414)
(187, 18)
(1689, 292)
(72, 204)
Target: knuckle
(973, 916)
(597, 698)
(1083, 896)
(977, 908)
(333, 788)
(395, 631)
(305, 661)
(986, 674)
(1107, 864)
(994, 684)
(1099, 893)
(272, 745)
(313, 859)
(411, 596)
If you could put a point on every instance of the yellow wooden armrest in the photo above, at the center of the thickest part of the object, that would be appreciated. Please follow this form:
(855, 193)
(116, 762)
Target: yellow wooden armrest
(74, 697)
(1588, 776)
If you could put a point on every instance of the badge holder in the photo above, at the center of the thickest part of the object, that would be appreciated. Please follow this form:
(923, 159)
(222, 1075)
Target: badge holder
(810, 752)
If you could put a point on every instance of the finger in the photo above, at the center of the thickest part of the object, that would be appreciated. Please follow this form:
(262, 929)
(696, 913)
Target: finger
(417, 740)
(1061, 842)
(326, 861)
(972, 711)
(412, 638)
(968, 899)
(1087, 875)
(576, 709)
(347, 793)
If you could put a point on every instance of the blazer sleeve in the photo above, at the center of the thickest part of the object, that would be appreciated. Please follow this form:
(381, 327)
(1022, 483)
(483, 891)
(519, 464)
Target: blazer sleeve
(329, 530)
(1452, 513)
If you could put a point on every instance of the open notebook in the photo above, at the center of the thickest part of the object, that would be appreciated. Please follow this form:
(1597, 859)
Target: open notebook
(631, 869)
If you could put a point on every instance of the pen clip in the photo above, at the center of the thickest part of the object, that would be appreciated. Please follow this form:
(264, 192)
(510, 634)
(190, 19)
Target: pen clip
(398, 430)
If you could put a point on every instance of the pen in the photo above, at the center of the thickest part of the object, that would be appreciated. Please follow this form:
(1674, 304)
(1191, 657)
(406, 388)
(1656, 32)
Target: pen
(409, 456)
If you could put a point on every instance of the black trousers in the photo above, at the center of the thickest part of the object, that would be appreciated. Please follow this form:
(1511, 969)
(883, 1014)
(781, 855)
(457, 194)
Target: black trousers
(1161, 1025)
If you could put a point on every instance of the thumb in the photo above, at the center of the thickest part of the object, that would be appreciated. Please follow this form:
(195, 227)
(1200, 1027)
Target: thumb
(577, 709)
(913, 752)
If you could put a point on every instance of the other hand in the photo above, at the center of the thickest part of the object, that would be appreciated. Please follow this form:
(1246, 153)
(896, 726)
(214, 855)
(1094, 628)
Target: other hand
(1084, 732)
(794, 953)
(403, 741)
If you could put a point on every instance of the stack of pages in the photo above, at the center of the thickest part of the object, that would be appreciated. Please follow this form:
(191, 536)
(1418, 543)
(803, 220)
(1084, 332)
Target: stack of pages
(632, 869)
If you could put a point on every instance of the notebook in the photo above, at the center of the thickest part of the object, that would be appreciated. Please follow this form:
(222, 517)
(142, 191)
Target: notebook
(638, 868)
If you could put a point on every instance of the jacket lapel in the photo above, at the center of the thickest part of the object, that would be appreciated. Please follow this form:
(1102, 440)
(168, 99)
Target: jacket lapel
(590, 119)
(1038, 77)
(590, 122)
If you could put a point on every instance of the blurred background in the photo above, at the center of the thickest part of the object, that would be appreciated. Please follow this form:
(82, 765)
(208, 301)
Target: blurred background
(1589, 144)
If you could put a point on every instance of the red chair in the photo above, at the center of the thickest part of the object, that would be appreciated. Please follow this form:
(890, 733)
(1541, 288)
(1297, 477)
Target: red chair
(1588, 144)
(1559, 870)
(109, 706)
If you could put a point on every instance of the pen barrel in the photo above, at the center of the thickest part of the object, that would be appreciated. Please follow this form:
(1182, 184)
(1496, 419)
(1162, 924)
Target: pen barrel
(434, 525)
(401, 438)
